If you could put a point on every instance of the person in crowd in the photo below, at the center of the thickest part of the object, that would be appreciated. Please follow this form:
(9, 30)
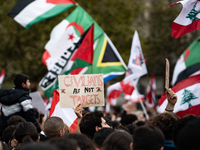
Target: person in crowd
(54, 127)
(83, 141)
(101, 135)
(4, 146)
(118, 140)
(122, 128)
(17, 102)
(7, 134)
(131, 128)
(64, 143)
(15, 120)
(92, 122)
(115, 123)
(189, 136)
(39, 146)
(25, 133)
(41, 121)
(130, 119)
(148, 137)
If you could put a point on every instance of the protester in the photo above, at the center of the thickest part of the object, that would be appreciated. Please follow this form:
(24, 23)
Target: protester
(131, 128)
(25, 133)
(101, 135)
(7, 134)
(17, 102)
(92, 122)
(54, 127)
(39, 146)
(83, 141)
(148, 137)
(118, 140)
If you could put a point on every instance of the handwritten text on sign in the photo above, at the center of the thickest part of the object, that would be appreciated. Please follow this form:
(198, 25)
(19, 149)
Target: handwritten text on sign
(85, 89)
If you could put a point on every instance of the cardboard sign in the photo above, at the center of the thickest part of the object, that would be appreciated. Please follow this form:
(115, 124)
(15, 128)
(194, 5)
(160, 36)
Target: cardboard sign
(85, 89)
(167, 75)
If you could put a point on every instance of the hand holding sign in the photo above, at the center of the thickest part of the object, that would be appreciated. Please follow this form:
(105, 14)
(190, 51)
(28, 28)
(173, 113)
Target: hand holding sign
(167, 75)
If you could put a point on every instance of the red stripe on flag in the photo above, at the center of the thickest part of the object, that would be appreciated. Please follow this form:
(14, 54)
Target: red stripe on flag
(45, 56)
(2, 72)
(195, 110)
(178, 30)
(74, 125)
(55, 100)
(61, 1)
(181, 85)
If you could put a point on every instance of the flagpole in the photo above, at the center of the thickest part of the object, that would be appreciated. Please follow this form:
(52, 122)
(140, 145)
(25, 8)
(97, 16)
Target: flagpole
(141, 103)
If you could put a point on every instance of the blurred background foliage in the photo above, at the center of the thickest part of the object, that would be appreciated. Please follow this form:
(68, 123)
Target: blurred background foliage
(21, 50)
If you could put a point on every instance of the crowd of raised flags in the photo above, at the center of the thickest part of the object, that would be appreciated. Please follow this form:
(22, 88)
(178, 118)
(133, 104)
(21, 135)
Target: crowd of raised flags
(65, 54)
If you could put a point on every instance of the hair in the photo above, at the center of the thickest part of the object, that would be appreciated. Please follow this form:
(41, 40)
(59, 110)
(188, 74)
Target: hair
(89, 122)
(64, 144)
(36, 113)
(26, 132)
(52, 126)
(140, 123)
(15, 120)
(83, 141)
(131, 128)
(101, 135)
(165, 122)
(178, 126)
(19, 79)
(39, 146)
(189, 136)
(115, 123)
(8, 133)
(108, 121)
(148, 137)
(117, 140)
(122, 128)
(128, 119)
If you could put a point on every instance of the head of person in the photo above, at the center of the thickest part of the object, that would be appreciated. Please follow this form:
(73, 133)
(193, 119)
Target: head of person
(130, 119)
(92, 122)
(165, 122)
(131, 128)
(83, 141)
(64, 143)
(8, 133)
(118, 140)
(189, 136)
(101, 135)
(15, 120)
(148, 137)
(25, 133)
(178, 126)
(54, 127)
(66, 129)
(22, 81)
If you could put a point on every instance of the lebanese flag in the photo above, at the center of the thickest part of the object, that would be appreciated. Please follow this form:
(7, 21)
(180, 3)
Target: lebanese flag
(114, 91)
(151, 92)
(29, 12)
(188, 20)
(136, 96)
(188, 97)
(2, 75)
(188, 63)
(66, 114)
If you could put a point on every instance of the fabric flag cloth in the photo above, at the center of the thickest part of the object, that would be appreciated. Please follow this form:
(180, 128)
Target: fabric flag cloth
(2, 75)
(60, 49)
(188, 63)
(136, 64)
(66, 114)
(188, 20)
(136, 96)
(82, 57)
(188, 97)
(151, 92)
(29, 12)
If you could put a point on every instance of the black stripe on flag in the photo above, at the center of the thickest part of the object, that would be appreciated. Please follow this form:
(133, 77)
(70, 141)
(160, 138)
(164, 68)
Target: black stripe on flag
(188, 72)
(19, 6)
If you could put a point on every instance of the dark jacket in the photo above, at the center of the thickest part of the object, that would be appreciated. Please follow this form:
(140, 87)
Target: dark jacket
(16, 102)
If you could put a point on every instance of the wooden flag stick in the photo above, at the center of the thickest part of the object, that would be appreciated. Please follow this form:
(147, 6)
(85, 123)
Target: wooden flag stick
(167, 75)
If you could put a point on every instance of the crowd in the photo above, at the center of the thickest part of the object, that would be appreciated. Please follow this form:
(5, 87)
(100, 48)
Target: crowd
(22, 127)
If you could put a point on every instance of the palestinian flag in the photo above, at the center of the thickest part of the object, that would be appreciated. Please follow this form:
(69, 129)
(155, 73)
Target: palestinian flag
(60, 49)
(66, 114)
(2, 75)
(188, 97)
(82, 57)
(188, 20)
(28, 12)
(188, 64)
